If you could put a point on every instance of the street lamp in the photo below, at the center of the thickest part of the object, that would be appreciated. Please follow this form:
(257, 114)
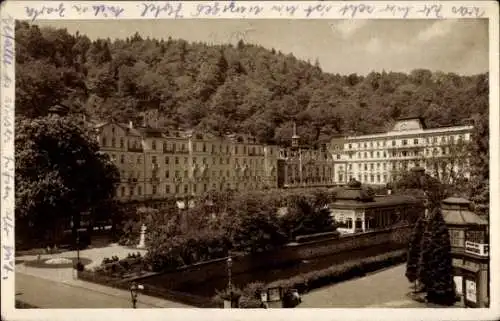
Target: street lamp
(134, 291)
(229, 285)
(73, 225)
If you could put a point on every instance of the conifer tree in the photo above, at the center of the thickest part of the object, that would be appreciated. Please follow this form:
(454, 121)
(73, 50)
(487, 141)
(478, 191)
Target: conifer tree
(437, 274)
(414, 249)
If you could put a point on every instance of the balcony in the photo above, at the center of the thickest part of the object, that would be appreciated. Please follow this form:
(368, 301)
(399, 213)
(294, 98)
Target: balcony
(135, 149)
(477, 248)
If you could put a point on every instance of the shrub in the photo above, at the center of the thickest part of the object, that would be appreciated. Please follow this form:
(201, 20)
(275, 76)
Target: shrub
(336, 273)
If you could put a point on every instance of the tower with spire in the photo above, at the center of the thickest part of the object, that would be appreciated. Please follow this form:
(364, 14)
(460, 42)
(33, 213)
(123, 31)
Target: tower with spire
(295, 137)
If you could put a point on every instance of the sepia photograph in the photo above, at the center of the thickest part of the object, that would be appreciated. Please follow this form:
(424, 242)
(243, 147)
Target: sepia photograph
(252, 164)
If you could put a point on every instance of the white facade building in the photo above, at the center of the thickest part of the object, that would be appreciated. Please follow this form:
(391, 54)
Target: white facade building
(377, 159)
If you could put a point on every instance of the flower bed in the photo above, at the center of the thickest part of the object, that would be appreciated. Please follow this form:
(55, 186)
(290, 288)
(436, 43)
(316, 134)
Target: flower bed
(337, 273)
(57, 263)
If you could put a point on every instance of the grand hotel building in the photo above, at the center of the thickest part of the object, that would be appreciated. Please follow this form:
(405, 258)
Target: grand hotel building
(155, 163)
(379, 158)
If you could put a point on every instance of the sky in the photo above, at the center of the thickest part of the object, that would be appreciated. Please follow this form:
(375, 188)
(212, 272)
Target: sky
(341, 46)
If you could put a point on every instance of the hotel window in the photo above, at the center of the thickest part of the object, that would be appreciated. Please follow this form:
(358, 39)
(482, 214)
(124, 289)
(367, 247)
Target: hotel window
(185, 160)
(167, 160)
(165, 146)
(204, 187)
(476, 237)
(153, 159)
(177, 160)
(121, 143)
(338, 156)
(185, 189)
(405, 142)
(366, 178)
(204, 161)
(194, 160)
(366, 167)
(341, 177)
(371, 144)
(415, 141)
(385, 178)
(122, 159)
(221, 173)
(122, 191)
(176, 189)
(364, 145)
(139, 160)
(366, 155)
(350, 146)
(378, 165)
(371, 154)
(186, 173)
(139, 190)
(113, 130)
(167, 189)
(371, 166)
(177, 174)
(194, 188)
(167, 174)
(154, 190)
(183, 147)
(131, 192)
(384, 166)
(378, 178)
(457, 238)
(372, 178)
(213, 149)
(104, 141)
(153, 145)
(404, 153)
(204, 147)
(378, 154)
(359, 166)
(194, 147)
(350, 166)
(113, 141)
(393, 143)
(174, 147)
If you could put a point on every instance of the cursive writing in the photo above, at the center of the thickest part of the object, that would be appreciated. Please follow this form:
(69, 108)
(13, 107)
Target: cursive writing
(34, 13)
(397, 10)
(318, 9)
(8, 42)
(100, 10)
(353, 9)
(166, 8)
(8, 261)
(466, 11)
(432, 11)
(215, 9)
(285, 9)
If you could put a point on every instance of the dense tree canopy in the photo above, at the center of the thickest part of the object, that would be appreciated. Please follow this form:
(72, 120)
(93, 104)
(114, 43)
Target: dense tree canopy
(59, 175)
(221, 88)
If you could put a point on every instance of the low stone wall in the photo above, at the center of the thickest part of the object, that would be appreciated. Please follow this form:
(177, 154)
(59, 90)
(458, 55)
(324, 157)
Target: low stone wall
(198, 273)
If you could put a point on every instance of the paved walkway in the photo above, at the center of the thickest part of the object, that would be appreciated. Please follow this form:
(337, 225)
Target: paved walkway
(66, 291)
(44, 293)
(386, 288)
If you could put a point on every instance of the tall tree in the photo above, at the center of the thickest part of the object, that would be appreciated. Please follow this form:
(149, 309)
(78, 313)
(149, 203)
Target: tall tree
(414, 250)
(60, 174)
(437, 262)
(479, 187)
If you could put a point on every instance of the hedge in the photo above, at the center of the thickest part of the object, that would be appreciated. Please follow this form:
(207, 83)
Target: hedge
(342, 272)
(150, 290)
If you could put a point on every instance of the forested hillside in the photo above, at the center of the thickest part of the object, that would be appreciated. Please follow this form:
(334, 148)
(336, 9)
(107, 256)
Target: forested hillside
(244, 88)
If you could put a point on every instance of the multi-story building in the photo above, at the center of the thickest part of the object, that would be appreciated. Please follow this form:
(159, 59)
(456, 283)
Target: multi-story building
(155, 163)
(378, 158)
(304, 167)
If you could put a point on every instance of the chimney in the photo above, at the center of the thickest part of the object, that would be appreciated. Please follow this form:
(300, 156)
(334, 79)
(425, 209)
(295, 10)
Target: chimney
(130, 125)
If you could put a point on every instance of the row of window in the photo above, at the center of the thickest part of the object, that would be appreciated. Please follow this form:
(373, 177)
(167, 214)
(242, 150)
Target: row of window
(183, 189)
(222, 161)
(183, 147)
(372, 178)
(177, 174)
(405, 142)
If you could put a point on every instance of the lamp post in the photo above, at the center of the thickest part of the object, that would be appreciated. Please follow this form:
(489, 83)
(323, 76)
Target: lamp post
(229, 284)
(134, 291)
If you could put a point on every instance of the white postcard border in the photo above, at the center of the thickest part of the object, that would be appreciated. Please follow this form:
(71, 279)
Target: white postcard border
(54, 10)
